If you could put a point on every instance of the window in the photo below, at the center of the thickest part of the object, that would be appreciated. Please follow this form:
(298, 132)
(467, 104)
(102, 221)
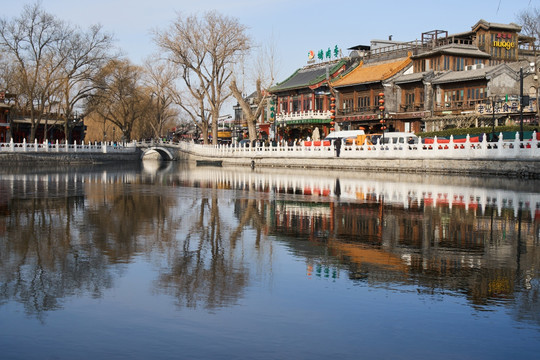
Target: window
(307, 103)
(459, 64)
(409, 98)
(363, 103)
(284, 105)
(296, 103)
(319, 102)
(347, 105)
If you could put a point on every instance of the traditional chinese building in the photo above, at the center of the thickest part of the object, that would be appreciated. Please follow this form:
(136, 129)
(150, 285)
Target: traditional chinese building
(303, 101)
(363, 91)
(16, 124)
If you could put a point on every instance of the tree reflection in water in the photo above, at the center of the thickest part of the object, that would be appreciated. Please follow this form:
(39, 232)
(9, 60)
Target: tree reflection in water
(203, 269)
(66, 234)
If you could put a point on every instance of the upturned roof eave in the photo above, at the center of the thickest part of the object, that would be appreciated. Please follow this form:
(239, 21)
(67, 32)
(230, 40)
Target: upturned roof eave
(308, 83)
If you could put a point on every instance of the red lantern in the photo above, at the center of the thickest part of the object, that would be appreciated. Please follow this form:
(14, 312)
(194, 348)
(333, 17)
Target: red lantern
(332, 99)
(332, 122)
(332, 117)
(381, 108)
(333, 111)
(381, 94)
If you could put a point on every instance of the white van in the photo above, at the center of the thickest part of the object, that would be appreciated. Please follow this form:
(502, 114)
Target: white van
(345, 134)
(398, 139)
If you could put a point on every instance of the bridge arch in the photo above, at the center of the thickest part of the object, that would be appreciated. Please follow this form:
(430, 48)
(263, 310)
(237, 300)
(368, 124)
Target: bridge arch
(163, 152)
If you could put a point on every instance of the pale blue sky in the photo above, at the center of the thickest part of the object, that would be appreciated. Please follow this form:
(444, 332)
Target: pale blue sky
(296, 26)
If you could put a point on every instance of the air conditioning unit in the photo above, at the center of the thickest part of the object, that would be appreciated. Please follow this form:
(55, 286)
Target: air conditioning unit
(469, 67)
(479, 66)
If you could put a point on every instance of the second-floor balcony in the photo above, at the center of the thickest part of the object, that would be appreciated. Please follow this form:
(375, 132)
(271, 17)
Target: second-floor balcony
(411, 107)
(366, 110)
(459, 105)
(310, 116)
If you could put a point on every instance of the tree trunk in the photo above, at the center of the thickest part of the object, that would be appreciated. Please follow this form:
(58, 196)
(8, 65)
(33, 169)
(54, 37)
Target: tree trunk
(215, 124)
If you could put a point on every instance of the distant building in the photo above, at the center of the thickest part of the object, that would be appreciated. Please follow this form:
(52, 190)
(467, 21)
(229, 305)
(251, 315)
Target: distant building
(469, 79)
(16, 124)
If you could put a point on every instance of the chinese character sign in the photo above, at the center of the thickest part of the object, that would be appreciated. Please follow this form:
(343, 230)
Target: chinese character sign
(502, 107)
(328, 54)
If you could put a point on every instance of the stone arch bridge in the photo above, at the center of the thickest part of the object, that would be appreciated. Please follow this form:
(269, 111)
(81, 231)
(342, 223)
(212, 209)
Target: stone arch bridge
(161, 150)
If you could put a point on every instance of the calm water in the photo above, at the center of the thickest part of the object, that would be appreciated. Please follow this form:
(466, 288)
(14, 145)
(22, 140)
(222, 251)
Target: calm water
(171, 261)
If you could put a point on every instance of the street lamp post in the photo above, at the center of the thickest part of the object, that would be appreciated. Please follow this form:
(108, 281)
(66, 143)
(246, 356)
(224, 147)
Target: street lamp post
(521, 104)
(493, 118)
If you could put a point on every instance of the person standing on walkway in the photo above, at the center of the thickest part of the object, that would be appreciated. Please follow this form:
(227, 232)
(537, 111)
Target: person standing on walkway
(337, 146)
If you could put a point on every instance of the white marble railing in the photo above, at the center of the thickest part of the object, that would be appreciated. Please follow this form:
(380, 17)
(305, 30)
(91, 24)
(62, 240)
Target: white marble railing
(450, 149)
(105, 147)
(528, 149)
(303, 115)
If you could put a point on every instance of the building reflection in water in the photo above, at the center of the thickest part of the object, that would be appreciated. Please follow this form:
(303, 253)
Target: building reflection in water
(477, 238)
(62, 233)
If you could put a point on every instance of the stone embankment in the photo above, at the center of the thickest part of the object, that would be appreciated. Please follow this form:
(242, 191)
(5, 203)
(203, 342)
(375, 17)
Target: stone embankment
(513, 158)
(41, 158)
(529, 168)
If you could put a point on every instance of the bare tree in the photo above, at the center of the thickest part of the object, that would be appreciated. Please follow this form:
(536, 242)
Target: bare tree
(205, 50)
(530, 26)
(120, 99)
(7, 72)
(264, 71)
(160, 80)
(87, 52)
(37, 41)
(193, 102)
(250, 114)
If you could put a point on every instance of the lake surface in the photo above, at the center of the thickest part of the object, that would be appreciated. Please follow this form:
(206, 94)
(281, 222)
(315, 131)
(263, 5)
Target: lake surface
(172, 261)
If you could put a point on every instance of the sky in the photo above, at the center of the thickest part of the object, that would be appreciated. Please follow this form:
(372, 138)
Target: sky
(294, 27)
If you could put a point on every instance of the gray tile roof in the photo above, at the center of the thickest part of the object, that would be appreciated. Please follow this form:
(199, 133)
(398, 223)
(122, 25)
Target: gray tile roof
(409, 78)
(455, 49)
(457, 76)
(510, 27)
(307, 76)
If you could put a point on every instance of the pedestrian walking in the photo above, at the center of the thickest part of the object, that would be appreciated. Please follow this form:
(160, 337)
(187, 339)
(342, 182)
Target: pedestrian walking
(337, 146)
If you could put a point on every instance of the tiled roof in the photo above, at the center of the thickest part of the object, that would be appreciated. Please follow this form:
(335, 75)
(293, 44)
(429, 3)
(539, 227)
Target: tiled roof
(372, 73)
(307, 76)
(409, 78)
(455, 49)
(485, 24)
(456, 76)
(475, 74)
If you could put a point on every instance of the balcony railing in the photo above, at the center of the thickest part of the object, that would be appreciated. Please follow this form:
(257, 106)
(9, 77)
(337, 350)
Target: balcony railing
(303, 115)
(460, 105)
(411, 107)
(366, 110)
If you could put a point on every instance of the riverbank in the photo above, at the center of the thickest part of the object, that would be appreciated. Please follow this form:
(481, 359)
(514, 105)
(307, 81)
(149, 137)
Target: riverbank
(528, 168)
(41, 158)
